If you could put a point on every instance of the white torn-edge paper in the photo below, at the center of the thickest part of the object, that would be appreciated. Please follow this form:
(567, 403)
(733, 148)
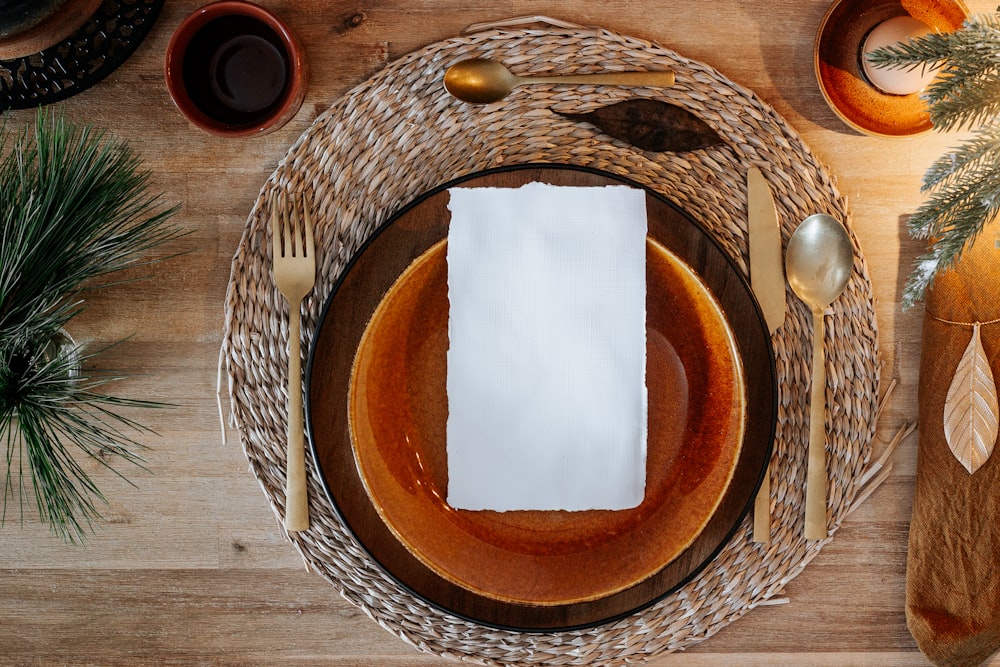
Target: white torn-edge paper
(547, 398)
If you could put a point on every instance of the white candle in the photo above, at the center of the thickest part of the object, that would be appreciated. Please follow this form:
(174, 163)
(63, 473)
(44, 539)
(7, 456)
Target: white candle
(896, 81)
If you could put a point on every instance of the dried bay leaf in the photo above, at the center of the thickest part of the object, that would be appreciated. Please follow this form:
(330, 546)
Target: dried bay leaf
(651, 125)
(971, 414)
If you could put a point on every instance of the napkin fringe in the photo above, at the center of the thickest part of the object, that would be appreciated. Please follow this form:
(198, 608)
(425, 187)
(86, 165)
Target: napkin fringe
(879, 470)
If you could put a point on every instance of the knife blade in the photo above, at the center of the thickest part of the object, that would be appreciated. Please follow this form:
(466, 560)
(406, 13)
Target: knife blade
(767, 279)
(767, 274)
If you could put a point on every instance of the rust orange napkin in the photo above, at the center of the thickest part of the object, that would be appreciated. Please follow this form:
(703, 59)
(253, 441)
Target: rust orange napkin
(953, 564)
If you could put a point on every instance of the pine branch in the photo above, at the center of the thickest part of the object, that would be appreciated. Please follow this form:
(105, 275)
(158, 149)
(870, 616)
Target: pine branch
(963, 185)
(76, 209)
(967, 90)
(959, 201)
(963, 101)
(971, 157)
(965, 195)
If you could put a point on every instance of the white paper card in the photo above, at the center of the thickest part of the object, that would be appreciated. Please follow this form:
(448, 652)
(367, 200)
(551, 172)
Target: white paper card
(547, 355)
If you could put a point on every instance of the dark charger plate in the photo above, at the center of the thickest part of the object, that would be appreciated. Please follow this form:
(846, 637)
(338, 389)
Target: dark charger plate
(376, 408)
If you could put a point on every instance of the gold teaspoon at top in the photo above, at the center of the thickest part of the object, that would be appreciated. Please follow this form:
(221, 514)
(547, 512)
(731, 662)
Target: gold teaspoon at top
(481, 81)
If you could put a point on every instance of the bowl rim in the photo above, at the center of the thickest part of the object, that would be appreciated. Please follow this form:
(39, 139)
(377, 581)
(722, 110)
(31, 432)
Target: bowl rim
(174, 62)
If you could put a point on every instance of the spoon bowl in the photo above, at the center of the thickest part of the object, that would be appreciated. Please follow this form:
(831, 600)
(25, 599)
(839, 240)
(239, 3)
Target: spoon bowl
(818, 263)
(479, 81)
(819, 260)
(482, 81)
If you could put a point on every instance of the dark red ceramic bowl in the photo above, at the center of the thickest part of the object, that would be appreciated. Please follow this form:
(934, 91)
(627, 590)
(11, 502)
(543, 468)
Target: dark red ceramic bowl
(234, 69)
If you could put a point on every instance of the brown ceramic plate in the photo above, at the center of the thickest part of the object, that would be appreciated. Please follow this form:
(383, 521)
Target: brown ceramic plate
(837, 61)
(377, 408)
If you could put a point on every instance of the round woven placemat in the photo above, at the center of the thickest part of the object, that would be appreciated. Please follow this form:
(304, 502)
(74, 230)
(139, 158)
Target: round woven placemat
(400, 134)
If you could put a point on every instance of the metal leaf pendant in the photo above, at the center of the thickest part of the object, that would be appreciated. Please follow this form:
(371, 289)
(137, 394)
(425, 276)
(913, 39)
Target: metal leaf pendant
(651, 125)
(971, 415)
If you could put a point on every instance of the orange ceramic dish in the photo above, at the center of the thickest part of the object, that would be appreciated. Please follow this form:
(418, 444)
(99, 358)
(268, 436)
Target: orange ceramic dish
(378, 365)
(837, 61)
(398, 409)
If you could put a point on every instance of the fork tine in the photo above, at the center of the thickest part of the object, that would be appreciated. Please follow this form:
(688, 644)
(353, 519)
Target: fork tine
(289, 233)
(299, 249)
(307, 218)
(275, 233)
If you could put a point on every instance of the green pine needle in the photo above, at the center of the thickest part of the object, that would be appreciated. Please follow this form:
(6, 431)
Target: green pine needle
(964, 184)
(75, 209)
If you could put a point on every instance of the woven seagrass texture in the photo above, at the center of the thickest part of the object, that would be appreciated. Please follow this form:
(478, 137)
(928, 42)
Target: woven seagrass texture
(400, 134)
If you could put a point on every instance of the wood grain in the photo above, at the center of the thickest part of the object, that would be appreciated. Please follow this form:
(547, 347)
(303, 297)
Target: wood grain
(192, 567)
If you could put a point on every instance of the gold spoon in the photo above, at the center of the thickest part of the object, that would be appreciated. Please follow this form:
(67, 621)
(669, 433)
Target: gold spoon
(818, 262)
(482, 81)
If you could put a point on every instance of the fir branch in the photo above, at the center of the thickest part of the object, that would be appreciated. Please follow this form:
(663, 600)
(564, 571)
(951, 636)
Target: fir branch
(931, 51)
(50, 411)
(963, 185)
(962, 201)
(965, 91)
(965, 195)
(76, 209)
(969, 159)
(963, 100)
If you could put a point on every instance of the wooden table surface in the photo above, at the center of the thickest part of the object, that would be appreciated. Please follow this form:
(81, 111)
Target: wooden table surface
(191, 564)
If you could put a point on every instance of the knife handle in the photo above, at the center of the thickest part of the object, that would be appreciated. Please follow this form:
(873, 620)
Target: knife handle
(816, 466)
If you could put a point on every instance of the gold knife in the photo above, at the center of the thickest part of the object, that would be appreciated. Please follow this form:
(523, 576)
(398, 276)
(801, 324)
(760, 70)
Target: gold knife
(767, 278)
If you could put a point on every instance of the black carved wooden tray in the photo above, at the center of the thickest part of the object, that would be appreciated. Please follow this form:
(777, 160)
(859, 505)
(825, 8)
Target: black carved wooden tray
(81, 60)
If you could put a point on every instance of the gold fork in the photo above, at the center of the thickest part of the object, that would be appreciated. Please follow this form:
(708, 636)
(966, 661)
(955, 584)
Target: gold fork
(294, 268)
